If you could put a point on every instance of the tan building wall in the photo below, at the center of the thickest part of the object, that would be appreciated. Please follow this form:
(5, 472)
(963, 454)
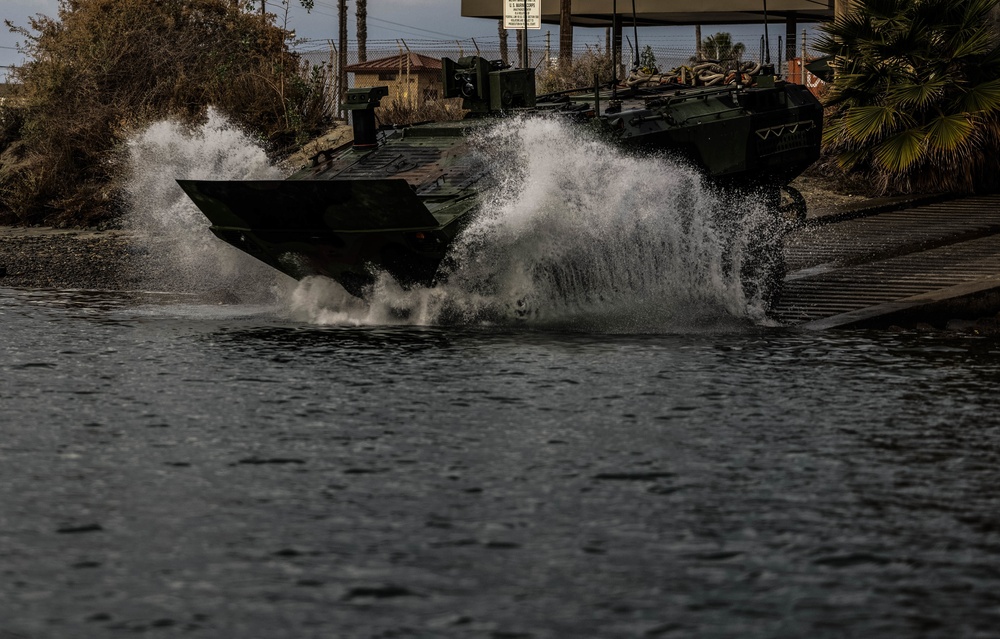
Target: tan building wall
(413, 88)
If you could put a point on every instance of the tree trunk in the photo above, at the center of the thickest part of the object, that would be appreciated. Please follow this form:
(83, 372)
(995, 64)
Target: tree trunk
(697, 42)
(362, 20)
(841, 8)
(565, 33)
(504, 55)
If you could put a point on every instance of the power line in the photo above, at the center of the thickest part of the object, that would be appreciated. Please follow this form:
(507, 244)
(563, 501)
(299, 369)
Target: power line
(447, 35)
(397, 24)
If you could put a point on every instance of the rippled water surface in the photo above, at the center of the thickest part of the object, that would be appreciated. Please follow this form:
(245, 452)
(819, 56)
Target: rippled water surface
(176, 468)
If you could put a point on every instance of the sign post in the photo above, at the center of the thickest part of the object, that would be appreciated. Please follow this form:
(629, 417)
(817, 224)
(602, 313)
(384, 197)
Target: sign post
(522, 14)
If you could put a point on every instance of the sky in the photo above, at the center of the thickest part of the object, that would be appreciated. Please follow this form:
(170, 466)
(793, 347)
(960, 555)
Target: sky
(388, 20)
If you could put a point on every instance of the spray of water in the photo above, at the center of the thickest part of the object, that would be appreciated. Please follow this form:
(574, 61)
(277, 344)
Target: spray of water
(181, 253)
(572, 234)
(577, 235)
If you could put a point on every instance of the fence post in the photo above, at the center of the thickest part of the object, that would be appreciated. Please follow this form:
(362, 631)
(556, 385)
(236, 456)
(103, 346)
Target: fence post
(332, 79)
(802, 60)
(338, 93)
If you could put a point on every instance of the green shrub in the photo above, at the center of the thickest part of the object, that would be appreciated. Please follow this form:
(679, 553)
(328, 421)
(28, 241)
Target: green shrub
(579, 73)
(105, 68)
(916, 100)
(404, 112)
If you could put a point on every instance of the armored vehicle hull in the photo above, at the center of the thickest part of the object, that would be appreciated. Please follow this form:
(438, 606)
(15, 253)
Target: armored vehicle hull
(394, 200)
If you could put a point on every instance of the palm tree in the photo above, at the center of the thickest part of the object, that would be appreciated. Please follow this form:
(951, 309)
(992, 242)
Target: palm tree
(565, 33)
(361, 15)
(341, 52)
(720, 47)
(917, 93)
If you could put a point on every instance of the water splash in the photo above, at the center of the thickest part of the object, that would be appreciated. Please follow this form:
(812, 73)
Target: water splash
(575, 234)
(181, 252)
(572, 234)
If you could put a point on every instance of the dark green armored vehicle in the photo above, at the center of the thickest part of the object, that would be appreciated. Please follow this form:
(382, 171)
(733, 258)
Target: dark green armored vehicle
(396, 198)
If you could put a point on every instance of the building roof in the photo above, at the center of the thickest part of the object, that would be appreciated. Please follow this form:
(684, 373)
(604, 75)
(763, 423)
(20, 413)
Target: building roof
(598, 13)
(418, 63)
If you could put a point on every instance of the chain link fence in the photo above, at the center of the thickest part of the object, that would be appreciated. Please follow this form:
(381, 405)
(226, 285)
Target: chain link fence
(543, 56)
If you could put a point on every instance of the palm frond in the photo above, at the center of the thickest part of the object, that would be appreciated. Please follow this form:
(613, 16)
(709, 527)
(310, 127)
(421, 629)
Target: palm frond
(883, 12)
(866, 85)
(863, 123)
(982, 98)
(977, 43)
(900, 152)
(833, 133)
(978, 12)
(916, 94)
(949, 133)
(851, 159)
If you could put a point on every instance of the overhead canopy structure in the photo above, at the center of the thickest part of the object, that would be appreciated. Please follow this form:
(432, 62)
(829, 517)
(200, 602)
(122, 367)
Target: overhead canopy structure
(597, 13)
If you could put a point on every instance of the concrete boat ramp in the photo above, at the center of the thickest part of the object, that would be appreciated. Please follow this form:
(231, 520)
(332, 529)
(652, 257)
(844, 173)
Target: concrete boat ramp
(927, 263)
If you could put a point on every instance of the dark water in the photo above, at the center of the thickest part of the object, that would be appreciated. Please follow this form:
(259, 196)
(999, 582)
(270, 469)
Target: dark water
(172, 468)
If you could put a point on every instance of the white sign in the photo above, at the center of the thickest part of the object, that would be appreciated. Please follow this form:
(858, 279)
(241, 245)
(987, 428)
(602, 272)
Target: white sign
(513, 14)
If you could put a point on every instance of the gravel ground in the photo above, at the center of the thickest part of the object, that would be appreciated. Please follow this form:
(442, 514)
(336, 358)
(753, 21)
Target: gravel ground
(61, 259)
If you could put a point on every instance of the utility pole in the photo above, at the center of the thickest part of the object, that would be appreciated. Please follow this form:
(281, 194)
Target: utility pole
(565, 33)
(342, 52)
(525, 59)
(504, 54)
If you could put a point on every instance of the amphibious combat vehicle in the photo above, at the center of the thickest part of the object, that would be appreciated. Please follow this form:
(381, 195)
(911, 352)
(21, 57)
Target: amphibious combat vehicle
(394, 199)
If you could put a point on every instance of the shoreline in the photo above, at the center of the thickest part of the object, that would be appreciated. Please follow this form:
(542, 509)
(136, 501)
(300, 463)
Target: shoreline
(48, 258)
(115, 259)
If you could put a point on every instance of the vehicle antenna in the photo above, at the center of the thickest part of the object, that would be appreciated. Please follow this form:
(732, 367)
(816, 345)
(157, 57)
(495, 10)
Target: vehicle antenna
(615, 49)
(525, 63)
(635, 32)
(767, 41)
